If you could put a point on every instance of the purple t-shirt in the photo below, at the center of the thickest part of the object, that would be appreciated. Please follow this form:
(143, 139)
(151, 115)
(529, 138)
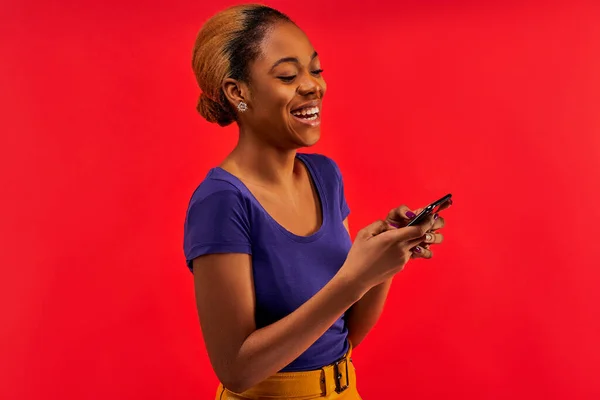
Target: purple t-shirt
(224, 217)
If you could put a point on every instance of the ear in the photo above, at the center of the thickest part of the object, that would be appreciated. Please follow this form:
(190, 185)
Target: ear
(235, 91)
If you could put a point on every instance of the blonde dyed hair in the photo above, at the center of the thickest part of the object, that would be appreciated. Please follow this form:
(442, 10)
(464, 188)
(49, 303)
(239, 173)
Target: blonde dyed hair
(225, 46)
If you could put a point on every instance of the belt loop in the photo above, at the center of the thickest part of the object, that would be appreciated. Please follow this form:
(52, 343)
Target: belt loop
(326, 383)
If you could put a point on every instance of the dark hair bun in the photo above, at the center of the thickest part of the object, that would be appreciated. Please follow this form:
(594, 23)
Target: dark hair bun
(214, 111)
(224, 48)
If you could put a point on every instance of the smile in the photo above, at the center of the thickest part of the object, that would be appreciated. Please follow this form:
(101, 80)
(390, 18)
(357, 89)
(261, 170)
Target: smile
(308, 115)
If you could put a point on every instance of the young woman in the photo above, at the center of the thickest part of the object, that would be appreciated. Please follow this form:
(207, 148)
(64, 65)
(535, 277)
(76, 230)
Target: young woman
(282, 292)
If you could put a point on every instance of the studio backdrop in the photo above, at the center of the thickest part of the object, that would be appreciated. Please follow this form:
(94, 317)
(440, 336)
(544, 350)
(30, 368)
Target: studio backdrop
(496, 102)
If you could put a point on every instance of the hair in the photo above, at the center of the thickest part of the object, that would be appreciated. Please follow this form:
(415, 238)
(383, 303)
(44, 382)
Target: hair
(225, 46)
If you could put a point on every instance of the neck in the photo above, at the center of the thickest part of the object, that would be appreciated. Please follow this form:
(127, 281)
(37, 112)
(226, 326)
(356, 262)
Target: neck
(261, 162)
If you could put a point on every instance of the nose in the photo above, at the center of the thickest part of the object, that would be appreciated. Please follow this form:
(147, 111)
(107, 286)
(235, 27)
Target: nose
(310, 86)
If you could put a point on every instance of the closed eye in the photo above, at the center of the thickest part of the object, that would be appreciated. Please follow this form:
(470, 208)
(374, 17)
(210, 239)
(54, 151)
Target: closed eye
(290, 78)
(287, 78)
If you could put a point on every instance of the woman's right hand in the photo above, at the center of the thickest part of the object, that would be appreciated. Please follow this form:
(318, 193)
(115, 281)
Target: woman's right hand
(381, 251)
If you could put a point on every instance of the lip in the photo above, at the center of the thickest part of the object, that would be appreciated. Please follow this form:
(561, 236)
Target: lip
(312, 123)
(313, 103)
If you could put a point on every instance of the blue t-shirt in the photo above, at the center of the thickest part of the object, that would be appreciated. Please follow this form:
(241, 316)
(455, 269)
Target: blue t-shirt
(224, 217)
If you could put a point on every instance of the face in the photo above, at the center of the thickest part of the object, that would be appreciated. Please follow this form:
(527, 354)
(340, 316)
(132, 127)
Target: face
(286, 89)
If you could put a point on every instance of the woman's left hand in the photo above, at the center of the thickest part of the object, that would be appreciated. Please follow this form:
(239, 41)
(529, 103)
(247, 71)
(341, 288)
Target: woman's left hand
(401, 216)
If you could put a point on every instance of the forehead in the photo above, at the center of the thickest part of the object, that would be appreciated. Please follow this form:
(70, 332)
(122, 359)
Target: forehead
(285, 40)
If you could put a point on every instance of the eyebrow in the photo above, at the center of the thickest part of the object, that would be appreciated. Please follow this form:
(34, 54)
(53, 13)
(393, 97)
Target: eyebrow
(291, 59)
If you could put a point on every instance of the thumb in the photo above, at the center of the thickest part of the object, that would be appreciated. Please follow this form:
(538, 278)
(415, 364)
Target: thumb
(411, 232)
(374, 229)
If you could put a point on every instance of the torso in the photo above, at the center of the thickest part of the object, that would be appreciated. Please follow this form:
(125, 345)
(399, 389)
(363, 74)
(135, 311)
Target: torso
(297, 241)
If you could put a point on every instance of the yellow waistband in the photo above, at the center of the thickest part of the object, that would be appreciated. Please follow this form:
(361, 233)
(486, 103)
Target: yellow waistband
(331, 378)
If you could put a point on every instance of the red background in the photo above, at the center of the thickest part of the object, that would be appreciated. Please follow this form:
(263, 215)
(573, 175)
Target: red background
(496, 102)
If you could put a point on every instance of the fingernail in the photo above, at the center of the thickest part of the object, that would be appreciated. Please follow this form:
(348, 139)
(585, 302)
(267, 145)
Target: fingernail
(418, 249)
(435, 216)
(410, 214)
(394, 225)
(428, 237)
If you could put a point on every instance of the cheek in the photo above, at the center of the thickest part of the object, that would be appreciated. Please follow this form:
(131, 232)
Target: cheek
(284, 95)
(273, 101)
(277, 101)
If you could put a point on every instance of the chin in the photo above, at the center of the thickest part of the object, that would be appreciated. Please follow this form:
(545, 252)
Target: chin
(308, 138)
(304, 134)
(314, 140)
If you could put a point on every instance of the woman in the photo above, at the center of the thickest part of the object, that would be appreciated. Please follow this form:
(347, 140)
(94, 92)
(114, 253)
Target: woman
(282, 293)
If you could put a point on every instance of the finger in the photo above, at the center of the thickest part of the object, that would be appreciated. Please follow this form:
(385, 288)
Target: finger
(374, 229)
(445, 205)
(440, 222)
(433, 238)
(420, 241)
(421, 252)
(409, 233)
(400, 216)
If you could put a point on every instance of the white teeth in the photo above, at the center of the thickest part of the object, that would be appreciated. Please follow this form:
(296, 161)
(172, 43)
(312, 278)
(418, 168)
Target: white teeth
(307, 111)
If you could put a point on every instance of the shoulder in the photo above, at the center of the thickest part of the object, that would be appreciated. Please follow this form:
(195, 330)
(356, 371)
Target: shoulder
(217, 219)
(218, 190)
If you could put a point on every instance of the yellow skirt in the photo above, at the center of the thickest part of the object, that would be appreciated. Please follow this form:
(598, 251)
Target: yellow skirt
(334, 381)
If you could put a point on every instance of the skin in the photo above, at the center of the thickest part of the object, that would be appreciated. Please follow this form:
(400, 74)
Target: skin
(365, 313)
(264, 159)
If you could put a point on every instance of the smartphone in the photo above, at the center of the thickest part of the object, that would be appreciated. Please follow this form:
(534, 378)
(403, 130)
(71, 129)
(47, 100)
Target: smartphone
(432, 208)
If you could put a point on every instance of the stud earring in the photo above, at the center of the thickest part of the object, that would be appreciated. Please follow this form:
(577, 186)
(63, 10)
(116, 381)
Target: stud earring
(242, 106)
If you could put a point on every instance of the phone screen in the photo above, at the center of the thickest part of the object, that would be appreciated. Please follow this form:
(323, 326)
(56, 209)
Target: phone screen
(430, 209)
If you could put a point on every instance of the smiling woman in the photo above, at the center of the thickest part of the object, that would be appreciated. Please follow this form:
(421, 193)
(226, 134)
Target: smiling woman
(270, 225)
(261, 47)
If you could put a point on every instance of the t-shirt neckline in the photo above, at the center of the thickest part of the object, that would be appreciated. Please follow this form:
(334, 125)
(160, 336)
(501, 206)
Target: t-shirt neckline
(316, 179)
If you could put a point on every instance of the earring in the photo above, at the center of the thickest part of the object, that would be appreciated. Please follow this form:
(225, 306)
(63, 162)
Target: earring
(242, 106)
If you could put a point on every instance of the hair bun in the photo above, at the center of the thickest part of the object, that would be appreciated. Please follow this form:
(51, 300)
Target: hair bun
(224, 48)
(213, 111)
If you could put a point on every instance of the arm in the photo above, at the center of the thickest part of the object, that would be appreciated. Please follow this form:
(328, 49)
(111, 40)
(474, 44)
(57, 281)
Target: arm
(240, 354)
(365, 313)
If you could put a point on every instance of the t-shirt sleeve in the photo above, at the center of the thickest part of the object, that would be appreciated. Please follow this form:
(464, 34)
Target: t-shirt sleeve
(344, 209)
(218, 223)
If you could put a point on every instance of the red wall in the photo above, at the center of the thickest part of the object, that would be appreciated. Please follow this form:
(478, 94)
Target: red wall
(102, 148)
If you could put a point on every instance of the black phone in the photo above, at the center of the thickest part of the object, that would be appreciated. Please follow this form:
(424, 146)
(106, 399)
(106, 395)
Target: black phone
(433, 207)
